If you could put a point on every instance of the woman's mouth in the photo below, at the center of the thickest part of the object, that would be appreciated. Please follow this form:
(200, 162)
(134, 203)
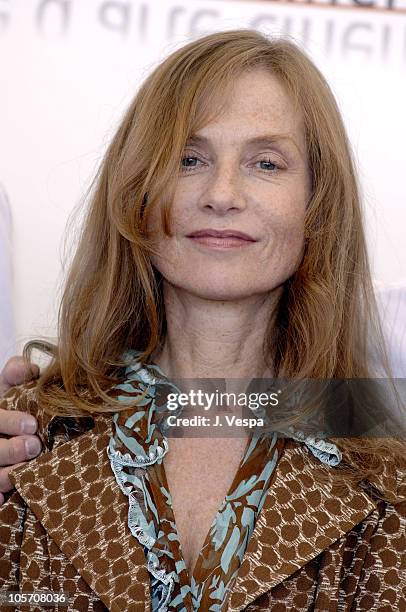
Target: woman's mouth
(221, 239)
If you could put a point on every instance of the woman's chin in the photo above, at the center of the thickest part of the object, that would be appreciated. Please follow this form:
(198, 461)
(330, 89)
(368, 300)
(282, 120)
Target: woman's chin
(222, 291)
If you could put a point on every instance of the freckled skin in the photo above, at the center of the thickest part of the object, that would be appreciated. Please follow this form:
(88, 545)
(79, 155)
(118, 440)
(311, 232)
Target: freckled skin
(228, 188)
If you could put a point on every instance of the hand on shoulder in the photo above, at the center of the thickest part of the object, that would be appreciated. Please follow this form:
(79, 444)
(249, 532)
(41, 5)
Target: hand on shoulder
(17, 428)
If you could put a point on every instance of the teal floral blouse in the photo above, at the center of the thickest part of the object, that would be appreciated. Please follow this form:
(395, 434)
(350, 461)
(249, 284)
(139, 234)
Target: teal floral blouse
(137, 449)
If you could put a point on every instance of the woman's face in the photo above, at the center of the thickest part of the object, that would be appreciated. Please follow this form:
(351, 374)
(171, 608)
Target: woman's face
(246, 172)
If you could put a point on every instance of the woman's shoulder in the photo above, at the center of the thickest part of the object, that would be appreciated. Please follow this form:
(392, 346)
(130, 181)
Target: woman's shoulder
(24, 399)
(388, 484)
(386, 477)
(52, 427)
(21, 397)
(383, 480)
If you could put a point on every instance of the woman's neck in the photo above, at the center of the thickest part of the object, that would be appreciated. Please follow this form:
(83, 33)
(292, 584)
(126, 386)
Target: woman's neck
(215, 339)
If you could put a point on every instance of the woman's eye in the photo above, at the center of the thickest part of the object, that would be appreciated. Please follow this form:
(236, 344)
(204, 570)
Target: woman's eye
(188, 163)
(268, 165)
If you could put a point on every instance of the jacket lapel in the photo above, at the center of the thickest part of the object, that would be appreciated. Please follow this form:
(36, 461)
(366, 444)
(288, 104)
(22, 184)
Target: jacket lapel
(300, 518)
(73, 493)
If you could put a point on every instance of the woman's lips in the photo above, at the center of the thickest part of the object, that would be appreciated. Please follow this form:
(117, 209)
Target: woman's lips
(226, 242)
(221, 239)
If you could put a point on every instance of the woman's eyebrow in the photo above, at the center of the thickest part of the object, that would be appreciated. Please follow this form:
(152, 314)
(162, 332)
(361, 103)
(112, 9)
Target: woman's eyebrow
(264, 140)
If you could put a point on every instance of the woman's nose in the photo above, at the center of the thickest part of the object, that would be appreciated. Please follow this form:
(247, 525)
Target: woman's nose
(223, 191)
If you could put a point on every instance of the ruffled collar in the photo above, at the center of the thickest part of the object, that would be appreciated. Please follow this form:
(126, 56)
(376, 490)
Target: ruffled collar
(140, 431)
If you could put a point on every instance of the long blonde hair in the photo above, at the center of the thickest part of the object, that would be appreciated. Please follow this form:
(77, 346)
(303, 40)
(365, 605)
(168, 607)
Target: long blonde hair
(112, 299)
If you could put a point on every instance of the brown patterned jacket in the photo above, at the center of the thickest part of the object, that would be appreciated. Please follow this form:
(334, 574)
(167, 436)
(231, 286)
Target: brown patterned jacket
(65, 529)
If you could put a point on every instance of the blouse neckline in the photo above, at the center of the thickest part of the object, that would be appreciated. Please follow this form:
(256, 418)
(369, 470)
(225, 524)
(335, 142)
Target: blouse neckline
(136, 451)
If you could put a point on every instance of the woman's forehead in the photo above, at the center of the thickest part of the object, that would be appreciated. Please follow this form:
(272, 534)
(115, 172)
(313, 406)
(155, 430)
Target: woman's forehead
(255, 104)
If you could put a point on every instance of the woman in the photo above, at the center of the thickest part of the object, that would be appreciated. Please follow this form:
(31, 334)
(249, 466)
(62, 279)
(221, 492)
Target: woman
(259, 271)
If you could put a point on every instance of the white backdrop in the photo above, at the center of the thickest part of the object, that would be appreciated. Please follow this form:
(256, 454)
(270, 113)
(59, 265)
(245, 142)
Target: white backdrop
(70, 67)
